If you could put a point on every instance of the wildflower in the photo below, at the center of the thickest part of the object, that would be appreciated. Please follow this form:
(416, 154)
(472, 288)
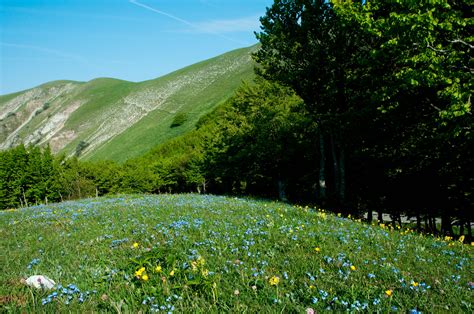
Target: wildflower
(388, 293)
(254, 288)
(414, 284)
(353, 267)
(309, 311)
(135, 245)
(145, 277)
(274, 280)
(461, 239)
(139, 272)
(312, 287)
(371, 276)
(236, 292)
(317, 249)
(172, 273)
(158, 269)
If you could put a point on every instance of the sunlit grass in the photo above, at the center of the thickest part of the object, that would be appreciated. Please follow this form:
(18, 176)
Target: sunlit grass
(207, 253)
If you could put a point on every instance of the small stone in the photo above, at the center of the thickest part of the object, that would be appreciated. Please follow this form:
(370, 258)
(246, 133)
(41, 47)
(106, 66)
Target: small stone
(40, 282)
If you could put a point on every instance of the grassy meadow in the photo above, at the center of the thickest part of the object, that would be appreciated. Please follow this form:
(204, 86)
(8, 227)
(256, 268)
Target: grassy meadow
(194, 253)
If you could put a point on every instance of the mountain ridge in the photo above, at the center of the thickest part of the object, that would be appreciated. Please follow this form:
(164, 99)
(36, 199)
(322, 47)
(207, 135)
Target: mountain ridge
(108, 118)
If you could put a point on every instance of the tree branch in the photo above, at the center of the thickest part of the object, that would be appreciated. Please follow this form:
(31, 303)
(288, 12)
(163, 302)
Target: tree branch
(461, 42)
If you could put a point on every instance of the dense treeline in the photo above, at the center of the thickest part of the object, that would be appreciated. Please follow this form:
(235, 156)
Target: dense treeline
(358, 107)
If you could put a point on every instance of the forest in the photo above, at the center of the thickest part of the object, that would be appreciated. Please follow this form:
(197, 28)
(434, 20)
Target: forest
(357, 107)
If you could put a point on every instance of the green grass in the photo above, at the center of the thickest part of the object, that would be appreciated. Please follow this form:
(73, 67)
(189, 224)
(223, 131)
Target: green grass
(121, 119)
(222, 254)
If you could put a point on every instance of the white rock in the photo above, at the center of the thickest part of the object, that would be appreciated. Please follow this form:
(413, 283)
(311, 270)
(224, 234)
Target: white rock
(40, 282)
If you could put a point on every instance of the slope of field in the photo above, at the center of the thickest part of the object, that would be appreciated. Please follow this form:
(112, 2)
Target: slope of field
(115, 119)
(192, 253)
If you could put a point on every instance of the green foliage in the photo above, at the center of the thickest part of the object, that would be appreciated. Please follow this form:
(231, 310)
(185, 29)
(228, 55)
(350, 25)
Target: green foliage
(179, 119)
(80, 147)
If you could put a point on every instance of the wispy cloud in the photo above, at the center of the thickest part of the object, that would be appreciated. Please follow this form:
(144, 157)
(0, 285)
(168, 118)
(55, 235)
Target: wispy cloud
(246, 24)
(207, 28)
(57, 53)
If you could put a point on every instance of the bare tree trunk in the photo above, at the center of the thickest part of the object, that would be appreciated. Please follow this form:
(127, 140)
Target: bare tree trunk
(380, 216)
(342, 173)
(335, 165)
(461, 227)
(281, 190)
(446, 226)
(322, 168)
(434, 229)
(370, 215)
(24, 197)
(418, 221)
(469, 230)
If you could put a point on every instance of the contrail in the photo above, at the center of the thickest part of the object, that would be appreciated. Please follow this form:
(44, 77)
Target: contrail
(171, 16)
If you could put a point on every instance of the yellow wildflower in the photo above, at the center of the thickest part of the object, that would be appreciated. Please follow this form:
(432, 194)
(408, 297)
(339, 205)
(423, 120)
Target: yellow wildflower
(158, 269)
(172, 273)
(461, 239)
(353, 267)
(274, 281)
(145, 277)
(388, 293)
(200, 261)
(317, 249)
(135, 245)
(139, 272)
(415, 284)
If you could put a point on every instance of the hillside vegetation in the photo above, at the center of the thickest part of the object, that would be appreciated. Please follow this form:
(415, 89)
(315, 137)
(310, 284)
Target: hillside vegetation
(114, 119)
(189, 253)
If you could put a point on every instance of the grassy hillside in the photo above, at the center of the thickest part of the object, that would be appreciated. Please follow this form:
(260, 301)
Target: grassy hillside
(191, 253)
(120, 119)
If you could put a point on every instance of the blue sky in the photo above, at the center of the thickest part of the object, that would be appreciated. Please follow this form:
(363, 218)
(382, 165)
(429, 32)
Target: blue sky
(135, 40)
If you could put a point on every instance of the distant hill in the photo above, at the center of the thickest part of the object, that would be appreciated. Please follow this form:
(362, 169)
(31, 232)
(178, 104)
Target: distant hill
(107, 118)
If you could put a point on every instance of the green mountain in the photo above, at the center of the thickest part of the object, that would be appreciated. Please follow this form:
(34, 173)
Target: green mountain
(113, 119)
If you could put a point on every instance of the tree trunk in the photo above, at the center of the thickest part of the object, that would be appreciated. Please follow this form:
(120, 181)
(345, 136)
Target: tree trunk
(434, 229)
(418, 221)
(24, 197)
(322, 169)
(380, 216)
(342, 173)
(469, 231)
(335, 165)
(446, 226)
(370, 216)
(281, 190)
(461, 227)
